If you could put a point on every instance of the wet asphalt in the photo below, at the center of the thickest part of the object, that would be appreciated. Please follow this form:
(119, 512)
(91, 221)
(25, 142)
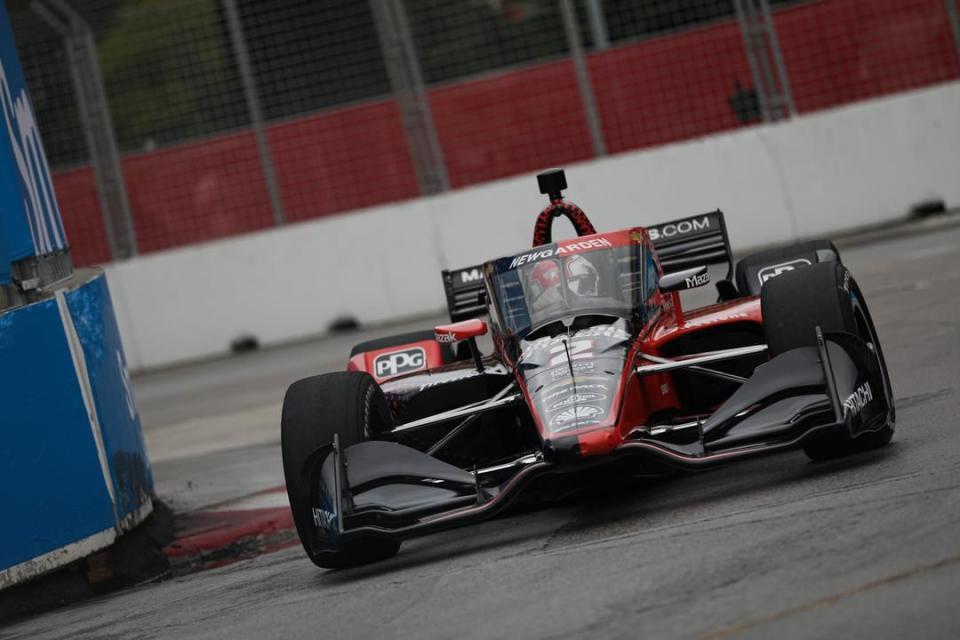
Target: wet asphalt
(778, 547)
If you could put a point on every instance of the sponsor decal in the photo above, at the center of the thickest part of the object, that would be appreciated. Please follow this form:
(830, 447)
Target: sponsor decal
(39, 201)
(679, 228)
(560, 250)
(664, 389)
(470, 275)
(446, 338)
(324, 519)
(566, 384)
(846, 281)
(579, 349)
(397, 362)
(575, 416)
(775, 270)
(857, 400)
(562, 384)
(697, 280)
(578, 367)
(599, 331)
(603, 331)
(454, 376)
(577, 398)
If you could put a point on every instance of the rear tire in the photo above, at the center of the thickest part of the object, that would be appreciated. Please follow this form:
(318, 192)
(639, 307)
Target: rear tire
(825, 295)
(351, 405)
(812, 252)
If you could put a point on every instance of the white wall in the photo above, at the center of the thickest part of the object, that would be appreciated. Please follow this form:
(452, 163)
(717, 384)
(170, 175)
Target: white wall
(812, 175)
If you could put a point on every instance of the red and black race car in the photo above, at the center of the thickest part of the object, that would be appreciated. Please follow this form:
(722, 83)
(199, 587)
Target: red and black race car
(595, 364)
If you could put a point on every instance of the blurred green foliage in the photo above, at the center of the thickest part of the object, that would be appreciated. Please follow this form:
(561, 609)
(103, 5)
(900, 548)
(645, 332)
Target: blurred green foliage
(170, 75)
(167, 71)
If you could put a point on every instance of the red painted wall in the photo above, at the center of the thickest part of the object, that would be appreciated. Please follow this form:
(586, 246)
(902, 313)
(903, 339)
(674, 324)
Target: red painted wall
(648, 93)
(197, 192)
(672, 88)
(510, 123)
(80, 210)
(347, 159)
(839, 51)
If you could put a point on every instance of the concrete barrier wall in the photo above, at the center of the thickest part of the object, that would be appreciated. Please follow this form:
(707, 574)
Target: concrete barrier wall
(812, 175)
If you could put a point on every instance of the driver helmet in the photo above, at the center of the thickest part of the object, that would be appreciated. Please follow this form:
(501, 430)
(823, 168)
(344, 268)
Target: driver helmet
(583, 279)
(545, 284)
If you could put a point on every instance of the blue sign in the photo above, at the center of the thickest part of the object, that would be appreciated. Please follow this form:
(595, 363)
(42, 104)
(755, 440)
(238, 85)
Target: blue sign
(91, 310)
(74, 473)
(52, 485)
(30, 223)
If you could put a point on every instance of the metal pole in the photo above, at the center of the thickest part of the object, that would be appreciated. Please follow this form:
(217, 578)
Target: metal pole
(97, 123)
(746, 31)
(583, 77)
(103, 191)
(598, 25)
(117, 186)
(954, 15)
(406, 80)
(774, 43)
(765, 59)
(239, 44)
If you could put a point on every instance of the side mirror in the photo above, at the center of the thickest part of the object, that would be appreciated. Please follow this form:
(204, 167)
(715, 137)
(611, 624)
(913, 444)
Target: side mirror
(465, 330)
(686, 279)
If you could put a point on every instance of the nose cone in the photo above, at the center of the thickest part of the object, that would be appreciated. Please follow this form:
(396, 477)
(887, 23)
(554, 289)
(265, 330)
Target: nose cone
(573, 383)
(598, 441)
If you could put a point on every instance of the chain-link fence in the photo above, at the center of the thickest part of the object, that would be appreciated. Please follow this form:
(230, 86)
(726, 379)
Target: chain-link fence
(179, 121)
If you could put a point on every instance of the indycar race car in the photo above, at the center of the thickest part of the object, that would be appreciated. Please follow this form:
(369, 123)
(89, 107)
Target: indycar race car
(594, 365)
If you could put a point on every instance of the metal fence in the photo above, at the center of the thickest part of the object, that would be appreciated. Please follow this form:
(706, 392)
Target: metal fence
(180, 121)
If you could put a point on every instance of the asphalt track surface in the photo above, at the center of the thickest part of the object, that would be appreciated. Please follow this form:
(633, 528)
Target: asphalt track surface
(865, 547)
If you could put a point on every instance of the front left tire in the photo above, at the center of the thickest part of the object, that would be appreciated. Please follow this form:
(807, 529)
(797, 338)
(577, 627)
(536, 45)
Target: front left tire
(351, 405)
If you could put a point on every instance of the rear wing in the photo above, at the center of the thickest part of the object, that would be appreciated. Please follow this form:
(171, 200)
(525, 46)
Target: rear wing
(692, 242)
(680, 244)
(464, 289)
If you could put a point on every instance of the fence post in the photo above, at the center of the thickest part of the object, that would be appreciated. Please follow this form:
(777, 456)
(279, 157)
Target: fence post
(96, 122)
(583, 78)
(954, 15)
(406, 80)
(239, 44)
(765, 59)
(598, 25)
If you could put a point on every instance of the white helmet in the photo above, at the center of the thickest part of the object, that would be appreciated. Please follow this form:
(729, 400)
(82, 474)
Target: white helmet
(582, 277)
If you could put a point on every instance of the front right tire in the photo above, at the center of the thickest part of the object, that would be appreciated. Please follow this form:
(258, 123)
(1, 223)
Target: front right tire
(824, 295)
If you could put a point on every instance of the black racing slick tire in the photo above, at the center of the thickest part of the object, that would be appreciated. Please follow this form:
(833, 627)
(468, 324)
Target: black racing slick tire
(756, 269)
(350, 404)
(825, 295)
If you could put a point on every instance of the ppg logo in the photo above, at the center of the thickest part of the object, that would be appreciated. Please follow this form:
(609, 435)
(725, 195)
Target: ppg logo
(775, 270)
(392, 364)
